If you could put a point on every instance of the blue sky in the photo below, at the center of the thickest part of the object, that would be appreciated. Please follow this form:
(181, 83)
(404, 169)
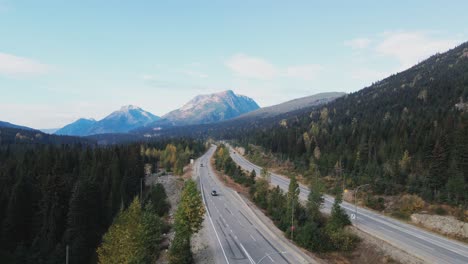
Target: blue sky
(61, 60)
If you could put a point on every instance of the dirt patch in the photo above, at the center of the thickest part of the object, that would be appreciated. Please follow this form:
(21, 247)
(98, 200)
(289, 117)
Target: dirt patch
(173, 186)
(447, 225)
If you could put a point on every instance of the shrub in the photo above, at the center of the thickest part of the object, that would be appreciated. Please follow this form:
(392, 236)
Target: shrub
(440, 211)
(409, 204)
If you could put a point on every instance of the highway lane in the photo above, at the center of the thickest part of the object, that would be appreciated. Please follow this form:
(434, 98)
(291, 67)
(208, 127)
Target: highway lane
(427, 246)
(240, 236)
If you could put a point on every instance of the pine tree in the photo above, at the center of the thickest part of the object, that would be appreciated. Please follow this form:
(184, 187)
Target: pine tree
(339, 218)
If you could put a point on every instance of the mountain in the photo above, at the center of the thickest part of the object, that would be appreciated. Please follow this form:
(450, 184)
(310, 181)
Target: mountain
(127, 118)
(121, 121)
(211, 108)
(293, 105)
(10, 125)
(80, 127)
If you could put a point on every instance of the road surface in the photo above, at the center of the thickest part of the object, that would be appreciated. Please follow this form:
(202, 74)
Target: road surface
(427, 246)
(240, 237)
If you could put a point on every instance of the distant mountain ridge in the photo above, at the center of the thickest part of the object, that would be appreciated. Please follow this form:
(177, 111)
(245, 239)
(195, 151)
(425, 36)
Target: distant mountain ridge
(10, 125)
(293, 105)
(80, 127)
(121, 121)
(210, 108)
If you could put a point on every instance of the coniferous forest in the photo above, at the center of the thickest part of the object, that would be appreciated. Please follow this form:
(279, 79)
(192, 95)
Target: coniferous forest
(52, 196)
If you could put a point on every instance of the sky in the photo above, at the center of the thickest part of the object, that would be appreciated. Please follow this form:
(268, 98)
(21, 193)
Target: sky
(62, 60)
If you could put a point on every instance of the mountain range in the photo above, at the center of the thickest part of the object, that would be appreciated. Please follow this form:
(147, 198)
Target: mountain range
(202, 109)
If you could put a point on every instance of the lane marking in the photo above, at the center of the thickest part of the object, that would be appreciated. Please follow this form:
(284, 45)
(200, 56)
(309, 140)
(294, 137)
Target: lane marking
(253, 238)
(247, 253)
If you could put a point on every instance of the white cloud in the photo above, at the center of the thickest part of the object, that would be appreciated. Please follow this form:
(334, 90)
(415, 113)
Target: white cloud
(251, 67)
(257, 68)
(14, 65)
(358, 43)
(306, 72)
(410, 48)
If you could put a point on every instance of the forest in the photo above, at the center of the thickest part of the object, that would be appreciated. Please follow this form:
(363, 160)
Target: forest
(58, 195)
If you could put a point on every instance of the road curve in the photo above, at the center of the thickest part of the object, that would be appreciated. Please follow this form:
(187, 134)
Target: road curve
(427, 246)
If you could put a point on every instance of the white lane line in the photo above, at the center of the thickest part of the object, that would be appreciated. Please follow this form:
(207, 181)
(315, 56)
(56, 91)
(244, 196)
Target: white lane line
(247, 253)
(216, 232)
(253, 238)
(270, 258)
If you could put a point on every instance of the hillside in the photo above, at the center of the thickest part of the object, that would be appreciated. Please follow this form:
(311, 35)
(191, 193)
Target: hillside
(9, 135)
(10, 125)
(406, 133)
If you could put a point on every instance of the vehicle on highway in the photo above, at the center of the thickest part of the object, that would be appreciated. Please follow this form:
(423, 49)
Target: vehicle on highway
(201, 164)
(214, 193)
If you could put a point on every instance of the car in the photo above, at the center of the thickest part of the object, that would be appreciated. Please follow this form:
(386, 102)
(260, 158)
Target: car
(214, 193)
(201, 165)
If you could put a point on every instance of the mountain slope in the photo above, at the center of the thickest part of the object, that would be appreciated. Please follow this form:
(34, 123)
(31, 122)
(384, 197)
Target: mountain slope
(293, 105)
(211, 108)
(121, 121)
(10, 125)
(80, 127)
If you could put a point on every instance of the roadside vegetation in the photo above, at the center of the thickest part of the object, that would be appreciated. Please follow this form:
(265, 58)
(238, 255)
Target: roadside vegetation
(188, 221)
(305, 225)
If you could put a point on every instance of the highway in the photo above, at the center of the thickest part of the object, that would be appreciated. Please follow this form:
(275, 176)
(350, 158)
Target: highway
(237, 233)
(427, 246)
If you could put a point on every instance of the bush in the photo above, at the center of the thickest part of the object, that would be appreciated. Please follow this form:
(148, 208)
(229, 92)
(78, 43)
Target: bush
(440, 211)
(409, 204)
(375, 203)
(401, 215)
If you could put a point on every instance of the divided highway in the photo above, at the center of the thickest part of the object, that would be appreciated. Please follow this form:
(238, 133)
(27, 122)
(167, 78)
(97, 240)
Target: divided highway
(239, 236)
(429, 247)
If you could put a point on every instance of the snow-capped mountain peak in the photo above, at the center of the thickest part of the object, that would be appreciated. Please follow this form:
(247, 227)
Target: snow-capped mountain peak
(211, 108)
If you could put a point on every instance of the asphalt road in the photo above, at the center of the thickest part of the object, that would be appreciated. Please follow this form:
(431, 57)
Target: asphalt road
(427, 246)
(240, 237)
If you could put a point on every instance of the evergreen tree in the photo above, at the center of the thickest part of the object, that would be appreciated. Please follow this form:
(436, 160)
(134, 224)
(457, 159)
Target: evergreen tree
(338, 218)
